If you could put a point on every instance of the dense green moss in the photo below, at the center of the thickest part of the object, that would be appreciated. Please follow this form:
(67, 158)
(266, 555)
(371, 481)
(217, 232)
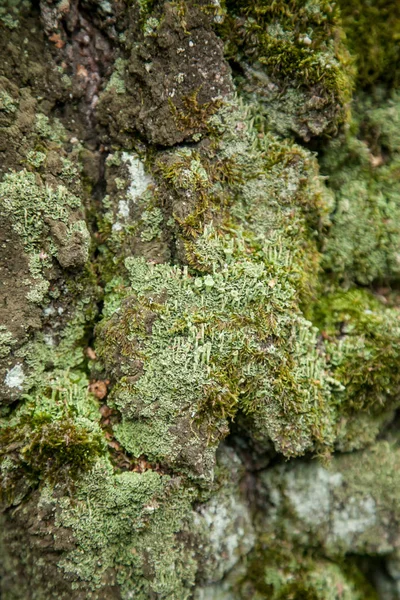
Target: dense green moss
(54, 434)
(373, 30)
(363, 341)
(282, 573)
(294, 61)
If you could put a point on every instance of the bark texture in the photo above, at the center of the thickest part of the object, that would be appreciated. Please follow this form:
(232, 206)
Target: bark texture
(199, 300)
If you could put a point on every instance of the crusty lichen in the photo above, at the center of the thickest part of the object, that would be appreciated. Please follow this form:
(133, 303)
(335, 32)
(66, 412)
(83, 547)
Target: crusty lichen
(351, 500)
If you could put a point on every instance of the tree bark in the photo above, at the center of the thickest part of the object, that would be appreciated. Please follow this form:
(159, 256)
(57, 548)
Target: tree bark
(199, 308)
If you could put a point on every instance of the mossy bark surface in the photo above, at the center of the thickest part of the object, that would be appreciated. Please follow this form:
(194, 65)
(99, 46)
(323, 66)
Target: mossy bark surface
(199, 300)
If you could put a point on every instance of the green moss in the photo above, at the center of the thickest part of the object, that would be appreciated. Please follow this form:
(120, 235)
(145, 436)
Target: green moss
(373, 31)
(363, 342)
(294, 61)
(286, 574)
(54, 434)
(363, 174)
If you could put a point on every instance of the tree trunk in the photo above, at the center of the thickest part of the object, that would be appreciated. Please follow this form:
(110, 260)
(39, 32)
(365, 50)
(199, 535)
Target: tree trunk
(199, 308)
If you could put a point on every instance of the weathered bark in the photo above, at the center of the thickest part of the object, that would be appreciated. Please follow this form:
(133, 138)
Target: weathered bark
(199, 316)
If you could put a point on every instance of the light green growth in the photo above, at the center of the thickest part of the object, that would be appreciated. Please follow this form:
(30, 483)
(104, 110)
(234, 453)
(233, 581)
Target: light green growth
(373, 30)
(6, 341)
(294, 61)
(116, 80)
(45, 219)
(142, 532)
(195, 346)
(10, 11)
(130, 522)
(7, 103)
(24, 197)
(152, 220)
(362, 338)
(281, 573)
(150, 26)
(36, 159)
(54, 434)
(70, 171)
(363, 243)
(38, 292)
(61, 349)
(131, 223)
(53, 130)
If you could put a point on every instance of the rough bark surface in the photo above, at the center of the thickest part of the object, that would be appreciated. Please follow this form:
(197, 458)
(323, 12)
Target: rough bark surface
(199, 300)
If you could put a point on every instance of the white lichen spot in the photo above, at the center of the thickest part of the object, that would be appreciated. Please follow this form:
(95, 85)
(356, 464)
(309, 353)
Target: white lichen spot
(355, 517)
(310, 493)
(49, 340)
(15, 377)
(123, 209)
(139, 179)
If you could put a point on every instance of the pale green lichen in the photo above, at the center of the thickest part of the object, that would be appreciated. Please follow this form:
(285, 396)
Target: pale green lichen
(196, 346)
(7, 103)
(51, 130)
(41, 216)
(140, 515)
(6, 341)
(150, 26)
(116, 81)
(36, 159)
